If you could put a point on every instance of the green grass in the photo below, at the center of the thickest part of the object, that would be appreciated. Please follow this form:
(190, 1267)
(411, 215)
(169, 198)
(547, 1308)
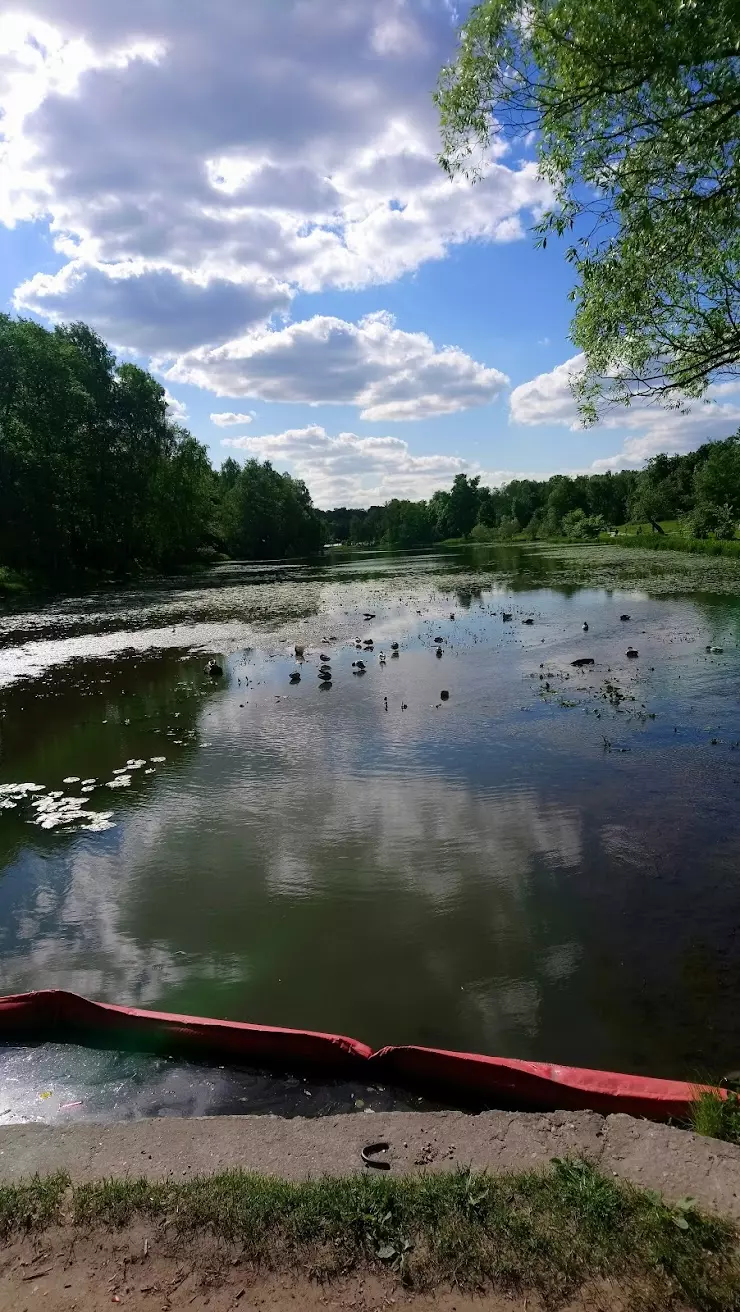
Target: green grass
(696, 546)
(11, 582)
(669, 526)
(550, 1233)
(716, 1117)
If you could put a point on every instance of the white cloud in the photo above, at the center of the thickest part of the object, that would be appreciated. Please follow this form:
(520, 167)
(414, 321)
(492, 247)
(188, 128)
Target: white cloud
(353, 471)
(176, 409)
(151, 310)
(360, 471)
(388, 373)
(548, 399)
(237, 151)
(226, 419)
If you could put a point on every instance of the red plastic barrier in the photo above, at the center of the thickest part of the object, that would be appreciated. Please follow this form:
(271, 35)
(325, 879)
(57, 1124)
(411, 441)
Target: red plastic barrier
(535, 1085)
(65, 1017)
(69, 1018)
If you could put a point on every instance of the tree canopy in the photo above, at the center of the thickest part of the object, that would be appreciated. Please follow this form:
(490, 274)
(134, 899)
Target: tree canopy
(94, 475)
(637, 113)
(701, 490)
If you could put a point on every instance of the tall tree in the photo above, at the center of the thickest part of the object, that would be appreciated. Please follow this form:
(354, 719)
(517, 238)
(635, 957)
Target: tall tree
(637, 110)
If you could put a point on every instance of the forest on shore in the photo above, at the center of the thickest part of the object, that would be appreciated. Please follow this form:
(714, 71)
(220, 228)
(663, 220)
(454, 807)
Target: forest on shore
(97, 478)
(698, 493)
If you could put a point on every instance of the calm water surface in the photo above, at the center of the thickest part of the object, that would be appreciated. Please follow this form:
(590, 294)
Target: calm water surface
(545, 865)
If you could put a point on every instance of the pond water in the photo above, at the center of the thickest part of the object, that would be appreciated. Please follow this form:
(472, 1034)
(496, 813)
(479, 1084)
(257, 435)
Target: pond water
(543, 865)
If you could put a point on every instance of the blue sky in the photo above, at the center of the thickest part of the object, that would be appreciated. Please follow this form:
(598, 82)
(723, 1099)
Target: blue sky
(245, 198)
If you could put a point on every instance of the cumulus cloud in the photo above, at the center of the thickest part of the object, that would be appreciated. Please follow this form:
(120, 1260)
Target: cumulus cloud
(151, 310)
(176, 409)
(350, 470)
(388, 373)
(243, 154)
(548, 399)
(226, 419)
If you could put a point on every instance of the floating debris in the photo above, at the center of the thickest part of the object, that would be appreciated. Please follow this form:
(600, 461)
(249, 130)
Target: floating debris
(445, 695)
(625, 617)
(214, 669)
(157, 760)
(584, 660)
(295, 676)
(528, 620)
(135, 765)
(632, 653)
(506, 616)
(21, 790)
(103, 820)
(716, 651)
(63, 812)
(72, 779)
(584, 626)
(123, 781)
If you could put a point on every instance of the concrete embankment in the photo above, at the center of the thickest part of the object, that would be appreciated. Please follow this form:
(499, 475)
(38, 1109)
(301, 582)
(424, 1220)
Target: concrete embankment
(675, 1162)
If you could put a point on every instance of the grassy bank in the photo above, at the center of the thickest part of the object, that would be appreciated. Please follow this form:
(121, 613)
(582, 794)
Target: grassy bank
(12, 584)
(675, 542)
(551, 1233)
(716, 1117)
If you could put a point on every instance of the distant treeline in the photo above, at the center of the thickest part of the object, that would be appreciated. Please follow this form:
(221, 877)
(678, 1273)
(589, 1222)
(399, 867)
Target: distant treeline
(94, 475)
(701, 491)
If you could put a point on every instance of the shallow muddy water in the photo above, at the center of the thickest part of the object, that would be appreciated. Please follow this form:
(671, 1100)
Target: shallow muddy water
(545, 864)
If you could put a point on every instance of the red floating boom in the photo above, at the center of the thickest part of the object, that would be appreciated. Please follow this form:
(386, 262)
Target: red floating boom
(455, 1076)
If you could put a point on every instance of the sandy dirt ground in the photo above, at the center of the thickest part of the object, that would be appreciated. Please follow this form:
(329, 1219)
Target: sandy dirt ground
(136, 1271)
(675, 1162)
